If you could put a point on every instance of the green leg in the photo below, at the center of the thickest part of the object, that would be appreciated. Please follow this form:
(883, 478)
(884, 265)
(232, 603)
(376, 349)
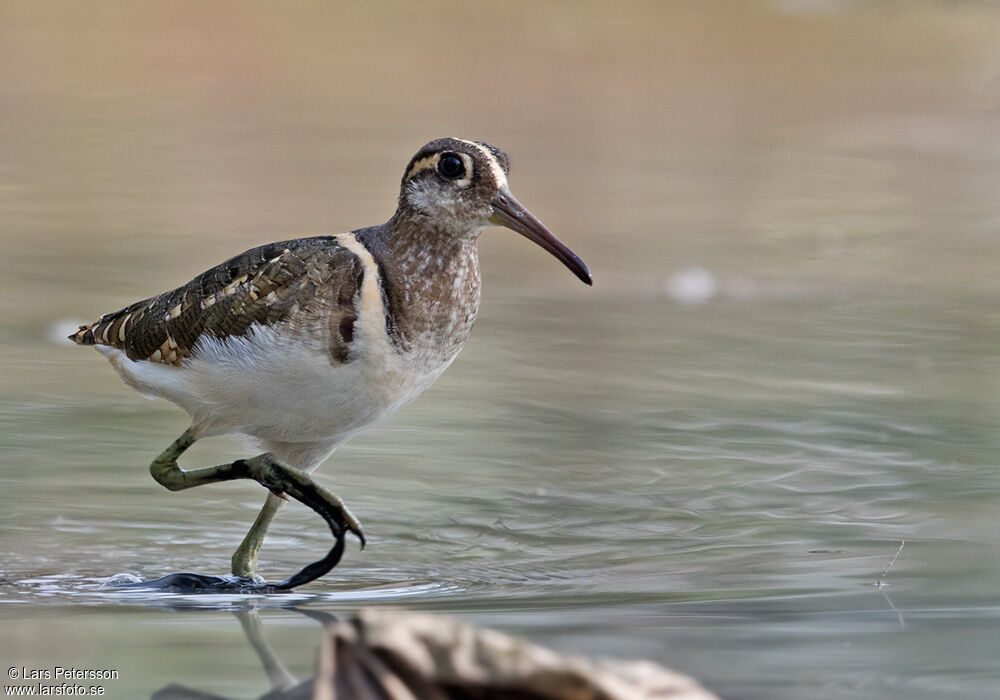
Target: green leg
(245, 557)
(265, 469)
(278, 676)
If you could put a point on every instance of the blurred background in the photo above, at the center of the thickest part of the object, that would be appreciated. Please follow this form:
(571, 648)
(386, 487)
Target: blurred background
(788, 363)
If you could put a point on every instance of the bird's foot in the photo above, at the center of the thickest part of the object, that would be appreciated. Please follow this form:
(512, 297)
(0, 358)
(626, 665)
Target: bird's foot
(283, 481)
(187, 583)
(190, 583)
(280, 479)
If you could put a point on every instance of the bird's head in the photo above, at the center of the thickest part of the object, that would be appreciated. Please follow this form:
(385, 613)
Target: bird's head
(460, 187)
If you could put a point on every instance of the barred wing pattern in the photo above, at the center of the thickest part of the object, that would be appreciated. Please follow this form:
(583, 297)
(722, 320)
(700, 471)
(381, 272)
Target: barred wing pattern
(265, 285)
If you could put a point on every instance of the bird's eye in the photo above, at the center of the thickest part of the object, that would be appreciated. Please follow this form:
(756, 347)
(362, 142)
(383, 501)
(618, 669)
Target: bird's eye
(451, 166)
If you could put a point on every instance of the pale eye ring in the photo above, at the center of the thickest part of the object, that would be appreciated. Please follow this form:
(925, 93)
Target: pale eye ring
(451, 166)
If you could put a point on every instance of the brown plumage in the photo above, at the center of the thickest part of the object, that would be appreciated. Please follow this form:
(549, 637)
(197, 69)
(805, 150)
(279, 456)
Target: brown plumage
(265, 285)
(300, 344)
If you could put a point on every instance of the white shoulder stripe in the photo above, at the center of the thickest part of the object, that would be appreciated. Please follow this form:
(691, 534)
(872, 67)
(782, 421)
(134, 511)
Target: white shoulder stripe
(371, 310)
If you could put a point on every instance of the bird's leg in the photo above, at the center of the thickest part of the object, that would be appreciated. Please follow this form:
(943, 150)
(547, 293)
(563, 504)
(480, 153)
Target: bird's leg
(244, 562)
(274, 475)
(279, 677)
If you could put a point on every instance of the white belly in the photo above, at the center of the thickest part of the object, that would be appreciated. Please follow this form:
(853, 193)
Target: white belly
(282, 391)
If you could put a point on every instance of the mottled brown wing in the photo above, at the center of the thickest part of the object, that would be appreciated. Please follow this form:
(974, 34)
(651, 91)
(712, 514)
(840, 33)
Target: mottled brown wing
(264, 285)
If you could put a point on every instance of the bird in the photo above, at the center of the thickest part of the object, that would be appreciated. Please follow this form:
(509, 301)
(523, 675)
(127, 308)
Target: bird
(300, 344)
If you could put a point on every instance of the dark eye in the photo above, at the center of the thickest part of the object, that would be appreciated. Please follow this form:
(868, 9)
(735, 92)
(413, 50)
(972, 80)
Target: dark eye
(451, 166)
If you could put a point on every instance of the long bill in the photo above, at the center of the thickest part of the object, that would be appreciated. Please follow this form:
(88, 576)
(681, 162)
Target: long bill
(509, 212)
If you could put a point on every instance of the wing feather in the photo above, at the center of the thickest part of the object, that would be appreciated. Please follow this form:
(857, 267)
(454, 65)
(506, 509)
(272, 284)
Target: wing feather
(314, 281)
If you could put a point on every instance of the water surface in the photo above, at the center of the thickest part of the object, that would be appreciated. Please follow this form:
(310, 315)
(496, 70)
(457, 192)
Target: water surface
(787, 366)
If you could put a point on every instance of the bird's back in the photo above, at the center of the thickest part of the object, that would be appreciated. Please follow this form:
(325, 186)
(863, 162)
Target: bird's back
(266, 285)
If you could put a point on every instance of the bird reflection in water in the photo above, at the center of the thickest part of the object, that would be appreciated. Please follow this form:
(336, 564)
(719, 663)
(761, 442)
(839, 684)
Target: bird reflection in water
(282, 684)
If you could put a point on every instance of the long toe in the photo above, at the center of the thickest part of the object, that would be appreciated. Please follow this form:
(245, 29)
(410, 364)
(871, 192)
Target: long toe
(353, 524)
(187, 583)
(313, 571)
(285, 481)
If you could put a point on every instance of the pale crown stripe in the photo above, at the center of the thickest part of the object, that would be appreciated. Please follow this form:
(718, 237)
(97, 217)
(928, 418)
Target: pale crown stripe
(498, 174)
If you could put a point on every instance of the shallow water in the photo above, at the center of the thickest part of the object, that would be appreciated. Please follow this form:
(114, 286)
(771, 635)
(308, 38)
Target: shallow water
(787, 366)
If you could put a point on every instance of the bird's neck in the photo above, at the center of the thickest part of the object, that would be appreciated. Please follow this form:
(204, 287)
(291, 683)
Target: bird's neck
(430, 278)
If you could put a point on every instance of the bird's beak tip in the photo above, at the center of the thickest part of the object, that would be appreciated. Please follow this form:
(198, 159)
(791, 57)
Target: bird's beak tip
(510, 213)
